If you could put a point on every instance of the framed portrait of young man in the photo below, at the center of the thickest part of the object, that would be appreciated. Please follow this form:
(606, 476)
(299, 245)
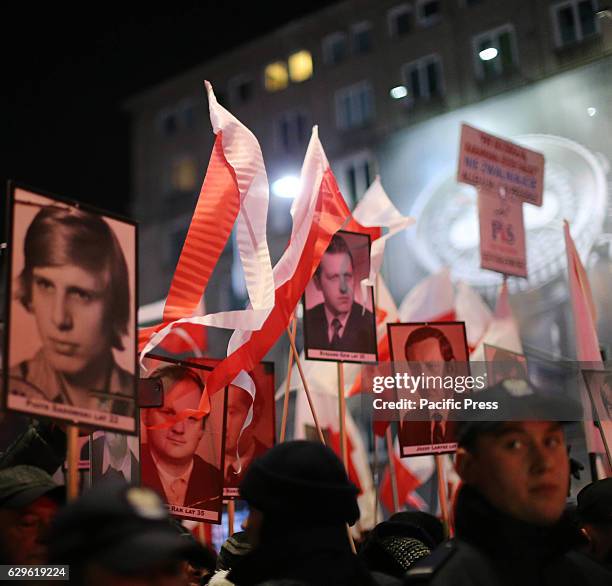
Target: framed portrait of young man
(437, 352)
(182, 449)
(503, 364)
(114, 455)
(339, 322)
(70, 336)
(599, 391)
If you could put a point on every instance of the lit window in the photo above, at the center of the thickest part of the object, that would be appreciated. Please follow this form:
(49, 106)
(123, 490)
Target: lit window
(354, 105)
(423, 78)
(184, 174)
(428, 12)
(355, 174)
(400, 20)
(574, 20)
(276, 76)
(293, 130)
(300, 66)
(334, 48)
(502, 39)
(241, 90)
(362, 38)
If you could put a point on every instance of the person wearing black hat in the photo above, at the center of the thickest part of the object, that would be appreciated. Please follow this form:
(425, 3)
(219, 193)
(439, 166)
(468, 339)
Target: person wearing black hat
(300, 501)
(594, 514)
(121, 535)
(29, 499)
(508, 514)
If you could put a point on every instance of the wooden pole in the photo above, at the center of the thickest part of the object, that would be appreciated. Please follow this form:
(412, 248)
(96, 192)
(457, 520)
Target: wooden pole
(442, 494)
(231, 510)
(391, 455)
(342, 415)
(292, 333)
(296, 357)
(72, 484)
(202, 533)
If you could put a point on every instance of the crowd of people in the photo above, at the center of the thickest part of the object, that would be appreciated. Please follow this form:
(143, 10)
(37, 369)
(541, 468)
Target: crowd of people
(512, 522)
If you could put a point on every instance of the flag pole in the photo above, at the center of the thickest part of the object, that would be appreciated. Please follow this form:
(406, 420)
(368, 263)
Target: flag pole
(442, 495)
(291, 334)
(342, 414)
(391, 455)
(72, 484)
(296, 357)
(376, 476)
(230, 517)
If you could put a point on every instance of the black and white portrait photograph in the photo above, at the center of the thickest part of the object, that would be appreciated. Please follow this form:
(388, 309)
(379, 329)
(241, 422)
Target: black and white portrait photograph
(114, 455)
(339, 322)
(181, 450)
(434, 350)
(70, 342)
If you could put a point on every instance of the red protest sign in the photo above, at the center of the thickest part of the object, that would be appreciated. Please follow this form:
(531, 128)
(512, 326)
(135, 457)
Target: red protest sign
(489, 162)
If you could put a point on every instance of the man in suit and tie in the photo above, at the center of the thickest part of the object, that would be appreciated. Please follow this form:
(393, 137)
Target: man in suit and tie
(339, 323)
(111, 457)
(169, 463)
(431, 349)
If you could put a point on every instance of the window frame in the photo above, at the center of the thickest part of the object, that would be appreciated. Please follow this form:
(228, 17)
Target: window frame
(357, 28)
(392, 15)
(556, 8)
(494, 33)
(422, 20)
(327, 45)
(295, 144)
(421, 66)
(352, 90)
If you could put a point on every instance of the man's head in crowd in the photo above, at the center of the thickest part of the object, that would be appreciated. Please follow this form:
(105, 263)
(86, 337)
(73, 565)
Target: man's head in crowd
(75, 283)
(120, 534)
(334, 277)
(171, 436)
(594, 513)
(298, 480)
(29, 499)
(520, 467)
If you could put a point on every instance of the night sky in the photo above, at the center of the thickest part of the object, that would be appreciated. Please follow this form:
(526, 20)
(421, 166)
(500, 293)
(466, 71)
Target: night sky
(66, 73)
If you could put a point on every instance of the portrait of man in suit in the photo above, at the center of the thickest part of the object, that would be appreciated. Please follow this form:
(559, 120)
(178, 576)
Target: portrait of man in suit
(339, 323)
(169, 462)
(430, 351)
(113, 455)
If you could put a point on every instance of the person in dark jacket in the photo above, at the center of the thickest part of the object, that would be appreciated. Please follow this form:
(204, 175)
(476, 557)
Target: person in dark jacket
(594, 513)
(509, 521)
(300, 501)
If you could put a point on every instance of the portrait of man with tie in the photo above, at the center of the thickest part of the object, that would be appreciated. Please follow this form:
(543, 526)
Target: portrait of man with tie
(432, 350)
(170, 462)
(114, 455)
(336, 325)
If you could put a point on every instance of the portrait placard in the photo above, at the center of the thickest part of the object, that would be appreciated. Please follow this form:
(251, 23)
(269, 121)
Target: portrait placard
(70, 340)
(339, 324)
(182, 453)
(503, 364)
(435, 351)
(114, 455)
(599, 390)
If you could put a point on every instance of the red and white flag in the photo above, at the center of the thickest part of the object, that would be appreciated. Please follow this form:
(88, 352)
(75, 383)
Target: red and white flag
(235, 191)
(432, 299)
(410, 473)
(503, 330)
(585, 333)
(318, 213)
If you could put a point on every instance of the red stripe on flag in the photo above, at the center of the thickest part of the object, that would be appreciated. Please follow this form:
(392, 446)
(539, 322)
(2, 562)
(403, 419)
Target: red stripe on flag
(330, 215)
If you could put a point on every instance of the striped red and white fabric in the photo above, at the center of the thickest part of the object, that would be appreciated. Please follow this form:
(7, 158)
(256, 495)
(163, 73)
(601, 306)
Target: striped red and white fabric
(432, 299)
(318, 213)
(235, 191)
(587, 342)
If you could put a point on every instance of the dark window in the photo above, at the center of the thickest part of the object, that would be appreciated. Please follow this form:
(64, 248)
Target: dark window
(169, 124)
(402, 23)
(567, 25)
(362, 40)
(587, 17)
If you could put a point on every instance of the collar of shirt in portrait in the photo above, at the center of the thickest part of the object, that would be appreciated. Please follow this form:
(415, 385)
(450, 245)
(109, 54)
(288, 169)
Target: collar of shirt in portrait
(330, 317)
(124, 466)
(175, 487)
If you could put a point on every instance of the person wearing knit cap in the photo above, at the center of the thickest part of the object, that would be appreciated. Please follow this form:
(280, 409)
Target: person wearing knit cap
(594, 512)
(29, 499)
(300, 501)
(509, 513)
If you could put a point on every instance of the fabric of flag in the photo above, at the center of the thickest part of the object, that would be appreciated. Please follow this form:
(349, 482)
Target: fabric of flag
(585, 333)
(410, 473)
(471, 309)
(235, 191)
(432, 299)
